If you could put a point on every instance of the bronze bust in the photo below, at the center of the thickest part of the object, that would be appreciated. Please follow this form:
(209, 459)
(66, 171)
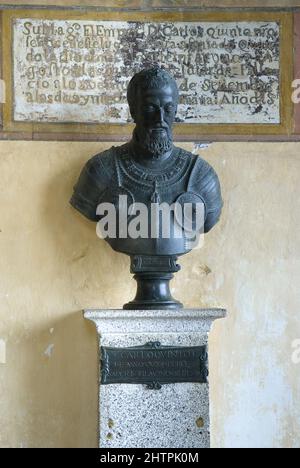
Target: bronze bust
(150, 170)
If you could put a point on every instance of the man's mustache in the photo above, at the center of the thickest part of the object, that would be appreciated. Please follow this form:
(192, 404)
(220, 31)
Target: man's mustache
(158, 127)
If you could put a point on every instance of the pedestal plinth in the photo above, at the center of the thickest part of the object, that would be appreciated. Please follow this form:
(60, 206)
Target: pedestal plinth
(154, 347)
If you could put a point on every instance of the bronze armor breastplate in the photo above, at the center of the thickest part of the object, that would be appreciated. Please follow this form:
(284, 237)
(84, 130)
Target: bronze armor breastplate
(148, 186)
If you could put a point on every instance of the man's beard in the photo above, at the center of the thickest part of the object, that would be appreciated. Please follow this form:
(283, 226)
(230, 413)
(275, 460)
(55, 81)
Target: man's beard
(156, 143)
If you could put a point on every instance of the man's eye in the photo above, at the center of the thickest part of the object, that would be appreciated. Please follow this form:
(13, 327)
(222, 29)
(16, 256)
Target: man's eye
(149, 109)
(169, 109)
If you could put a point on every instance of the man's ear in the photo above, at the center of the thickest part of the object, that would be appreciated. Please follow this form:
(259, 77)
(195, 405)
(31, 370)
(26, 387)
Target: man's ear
(175, 113)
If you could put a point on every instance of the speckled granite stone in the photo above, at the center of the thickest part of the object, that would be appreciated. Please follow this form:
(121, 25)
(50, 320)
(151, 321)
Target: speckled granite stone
(177, 416)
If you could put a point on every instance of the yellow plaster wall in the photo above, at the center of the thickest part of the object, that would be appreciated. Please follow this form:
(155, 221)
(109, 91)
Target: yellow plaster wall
(52, 266)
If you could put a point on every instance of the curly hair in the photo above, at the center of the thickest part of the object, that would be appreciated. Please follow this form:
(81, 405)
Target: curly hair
(151, 78)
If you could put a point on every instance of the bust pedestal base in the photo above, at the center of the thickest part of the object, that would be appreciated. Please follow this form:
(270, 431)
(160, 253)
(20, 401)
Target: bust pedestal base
(134, 416)
(153, 274)
(153, 292)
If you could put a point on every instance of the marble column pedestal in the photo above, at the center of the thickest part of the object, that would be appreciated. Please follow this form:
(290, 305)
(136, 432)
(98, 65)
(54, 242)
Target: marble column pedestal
(131, 415)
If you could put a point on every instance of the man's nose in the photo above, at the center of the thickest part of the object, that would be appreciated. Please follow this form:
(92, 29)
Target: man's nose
(160, 115)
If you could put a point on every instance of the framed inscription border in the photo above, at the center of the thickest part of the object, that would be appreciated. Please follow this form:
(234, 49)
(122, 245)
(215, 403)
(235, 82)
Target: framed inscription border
(184, 131)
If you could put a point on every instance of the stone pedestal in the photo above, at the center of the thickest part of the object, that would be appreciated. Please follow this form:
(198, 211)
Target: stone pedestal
(132, 415)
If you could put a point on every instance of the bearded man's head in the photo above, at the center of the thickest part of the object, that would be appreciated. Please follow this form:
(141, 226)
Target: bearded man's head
(153, 100)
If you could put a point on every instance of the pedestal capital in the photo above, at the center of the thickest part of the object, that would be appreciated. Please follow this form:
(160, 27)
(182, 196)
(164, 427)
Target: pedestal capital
(144, 321)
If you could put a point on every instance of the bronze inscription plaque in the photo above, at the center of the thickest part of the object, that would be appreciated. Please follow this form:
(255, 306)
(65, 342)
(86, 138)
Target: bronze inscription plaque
(154, 365)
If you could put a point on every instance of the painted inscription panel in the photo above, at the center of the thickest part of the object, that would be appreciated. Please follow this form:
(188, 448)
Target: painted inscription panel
(78, 71)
